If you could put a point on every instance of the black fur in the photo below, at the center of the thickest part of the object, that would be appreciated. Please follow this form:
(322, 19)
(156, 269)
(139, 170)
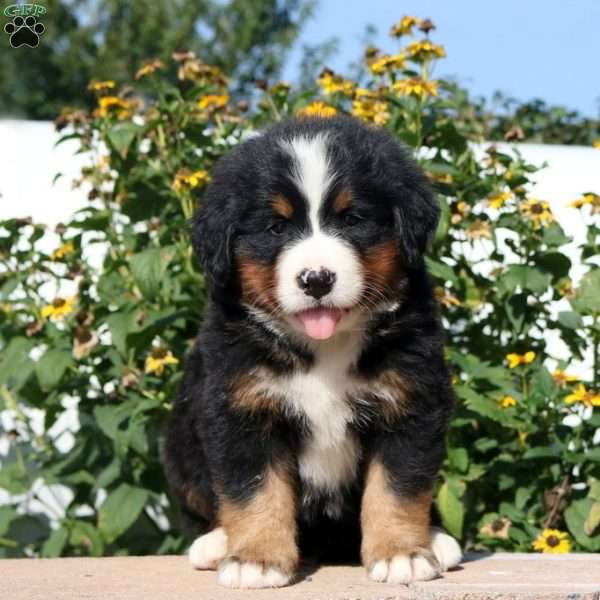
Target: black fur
(210, 445)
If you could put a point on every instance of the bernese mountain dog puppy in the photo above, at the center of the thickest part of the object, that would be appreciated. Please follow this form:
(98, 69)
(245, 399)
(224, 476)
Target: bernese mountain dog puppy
(312, 416)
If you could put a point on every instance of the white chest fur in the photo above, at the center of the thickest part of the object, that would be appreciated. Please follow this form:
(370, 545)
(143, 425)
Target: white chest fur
(331, 454)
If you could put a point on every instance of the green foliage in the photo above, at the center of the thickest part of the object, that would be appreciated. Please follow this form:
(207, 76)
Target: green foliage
(87, 39)
(104, 320)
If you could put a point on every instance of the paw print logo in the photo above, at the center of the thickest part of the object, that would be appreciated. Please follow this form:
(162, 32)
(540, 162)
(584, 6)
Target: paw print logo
(24, 32)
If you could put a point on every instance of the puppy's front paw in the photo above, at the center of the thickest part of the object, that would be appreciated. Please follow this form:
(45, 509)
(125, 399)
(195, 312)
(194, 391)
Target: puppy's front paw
(445, 548)
(209, 549)
(405, 568)
(236, 574)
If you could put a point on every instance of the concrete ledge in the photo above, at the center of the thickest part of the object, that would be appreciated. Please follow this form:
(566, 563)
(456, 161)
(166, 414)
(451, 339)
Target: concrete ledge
(493, 577)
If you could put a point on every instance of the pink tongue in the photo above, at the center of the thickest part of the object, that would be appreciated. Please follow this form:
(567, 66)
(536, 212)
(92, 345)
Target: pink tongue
(320, 323)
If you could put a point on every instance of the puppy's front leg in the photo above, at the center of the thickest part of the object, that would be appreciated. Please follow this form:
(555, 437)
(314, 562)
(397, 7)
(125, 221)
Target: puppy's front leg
(261, 533)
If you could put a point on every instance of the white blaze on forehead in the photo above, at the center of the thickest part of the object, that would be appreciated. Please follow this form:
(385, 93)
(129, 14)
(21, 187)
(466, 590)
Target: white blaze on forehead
(311, 171)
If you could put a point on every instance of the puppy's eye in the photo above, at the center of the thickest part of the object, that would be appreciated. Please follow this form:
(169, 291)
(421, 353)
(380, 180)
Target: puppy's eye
(350, 220)
(277, 228)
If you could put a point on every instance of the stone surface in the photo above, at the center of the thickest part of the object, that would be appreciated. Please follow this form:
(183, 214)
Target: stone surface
(495, 577)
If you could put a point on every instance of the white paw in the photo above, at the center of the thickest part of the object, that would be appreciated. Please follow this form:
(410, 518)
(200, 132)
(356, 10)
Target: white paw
(446, 549)
(235, 574)
(208, 550)
(403, 568)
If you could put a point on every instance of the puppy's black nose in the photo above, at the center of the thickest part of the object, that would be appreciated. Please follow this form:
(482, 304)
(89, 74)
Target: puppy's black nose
(316, 283)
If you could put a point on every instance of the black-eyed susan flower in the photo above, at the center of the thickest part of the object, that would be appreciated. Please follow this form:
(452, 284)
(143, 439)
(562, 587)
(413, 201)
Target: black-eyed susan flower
(498, 200)
(317, 109)
(538, 212)
(479, 229)
(367, 106)
(149, 68)
(425, 50)
(387, 62)
(63, 251)
(418, 87)
(158, 359)
(506, 402)
(332, 84)
(592, 200)
(404, 26)
(552, 541)
(462, 210)
(113, 105)
(446, 297)
(188, 180)
(596, 144)
(581, 395)
(561, 378)
(497, 528)
(100, 86)
(213, 102)
(515, 360)
(58, 309)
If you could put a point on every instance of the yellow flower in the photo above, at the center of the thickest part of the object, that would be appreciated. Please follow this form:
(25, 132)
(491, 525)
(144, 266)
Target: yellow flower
(386, 63)
(113, 105)
(63, 251)
(552, 541)
(185, 179)
(213, 102)
(195, 70)
(479, 229)
(317, 109)
(566, 289)
(506, 401)
(514, 360)
(368, 107)
(588, 398)
(596, 143)
(149, 68)
(497, 529)
(417, 87)
(538, 211)
(561, 378)
(332, 84)
(592, 200)
(404, 26)
(100, 86)
(498, 199)
(281, 88)
(425, 50)
(158, 359)
(59, 308)
(445, 297)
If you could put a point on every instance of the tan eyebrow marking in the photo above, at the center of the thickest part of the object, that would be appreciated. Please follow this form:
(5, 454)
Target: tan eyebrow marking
(282, 206)
(342, 201)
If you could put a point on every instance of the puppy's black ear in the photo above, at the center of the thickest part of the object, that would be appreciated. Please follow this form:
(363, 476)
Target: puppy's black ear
(416, 215)
(213, 232)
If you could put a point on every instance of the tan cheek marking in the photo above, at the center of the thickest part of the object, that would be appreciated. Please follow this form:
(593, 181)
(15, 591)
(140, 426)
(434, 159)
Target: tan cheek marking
(282, 206)
(258, 284)
(391, 524)
(342, 201)
(381, 266)
(263, 530)
(248, 393)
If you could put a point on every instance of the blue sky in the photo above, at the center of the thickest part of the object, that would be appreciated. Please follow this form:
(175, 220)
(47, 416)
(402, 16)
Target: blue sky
(526, 48)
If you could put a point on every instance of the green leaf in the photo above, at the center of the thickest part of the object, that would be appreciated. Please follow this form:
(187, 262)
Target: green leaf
(593, 519)
(85, 535)
(120, 510)
(15, 364)
(529, 278)
(587, 297)
(570, 319)
(576, 516)
(148, 268)
(54, 545)
(121, 135)
(441, 270)
(120, 324)
(52, 366)
(451, 509)
(459, 459)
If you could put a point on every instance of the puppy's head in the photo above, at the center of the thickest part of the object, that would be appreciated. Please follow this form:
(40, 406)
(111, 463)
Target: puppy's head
(314, 223)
